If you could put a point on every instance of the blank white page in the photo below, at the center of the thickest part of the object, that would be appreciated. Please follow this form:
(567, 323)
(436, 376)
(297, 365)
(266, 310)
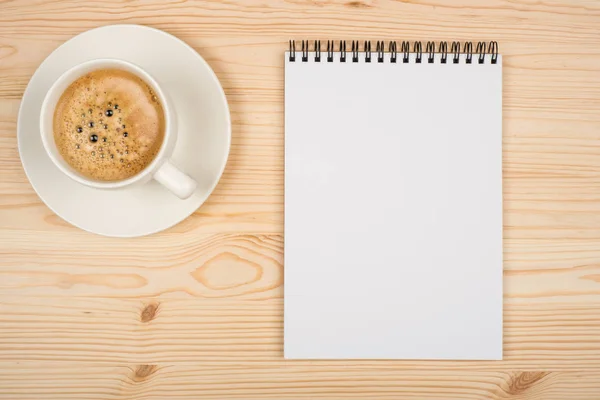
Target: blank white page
(393, 209)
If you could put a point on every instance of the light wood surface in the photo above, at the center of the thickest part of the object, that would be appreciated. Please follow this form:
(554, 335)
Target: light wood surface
(196, 312)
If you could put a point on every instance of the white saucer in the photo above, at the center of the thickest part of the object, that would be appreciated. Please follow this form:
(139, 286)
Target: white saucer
(202, 146)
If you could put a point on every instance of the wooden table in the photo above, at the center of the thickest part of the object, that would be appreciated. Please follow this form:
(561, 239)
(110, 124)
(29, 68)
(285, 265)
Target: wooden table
(196, 312)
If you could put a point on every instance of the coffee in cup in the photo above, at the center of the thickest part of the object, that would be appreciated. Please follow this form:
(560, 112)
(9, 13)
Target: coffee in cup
(108, 125)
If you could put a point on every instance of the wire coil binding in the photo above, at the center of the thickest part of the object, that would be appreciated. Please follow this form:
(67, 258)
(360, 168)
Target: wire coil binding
(484, 52)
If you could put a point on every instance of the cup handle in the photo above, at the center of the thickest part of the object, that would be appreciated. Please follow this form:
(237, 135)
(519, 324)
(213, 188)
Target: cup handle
(175, 180)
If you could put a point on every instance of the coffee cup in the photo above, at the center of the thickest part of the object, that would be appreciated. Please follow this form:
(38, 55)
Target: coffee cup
(160, 168)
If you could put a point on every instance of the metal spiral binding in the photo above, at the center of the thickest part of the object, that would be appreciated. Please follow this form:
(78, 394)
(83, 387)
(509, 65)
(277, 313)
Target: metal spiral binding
(431, 50)
(393, 52)
(468, 50)
(355, 51)
(342, 51)
(330, 51)
(292, 50)
(405, 51)
(417, 49)
(456, 51)
(444, 50)
(483, 51)
(494, 51)
(304, 50)
(317, 51)
(380, 50)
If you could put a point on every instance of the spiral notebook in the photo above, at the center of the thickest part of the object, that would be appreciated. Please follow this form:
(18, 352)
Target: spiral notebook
(393, 201)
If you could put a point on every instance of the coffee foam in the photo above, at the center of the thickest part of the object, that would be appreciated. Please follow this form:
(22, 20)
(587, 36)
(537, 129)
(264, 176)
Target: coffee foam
(109, 125)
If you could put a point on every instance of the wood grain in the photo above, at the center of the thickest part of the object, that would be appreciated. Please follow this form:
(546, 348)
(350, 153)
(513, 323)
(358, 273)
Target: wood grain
(196, 312)
(250, 381)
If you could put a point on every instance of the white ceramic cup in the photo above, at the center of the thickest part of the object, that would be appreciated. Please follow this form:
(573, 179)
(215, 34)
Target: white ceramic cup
(161, 168)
